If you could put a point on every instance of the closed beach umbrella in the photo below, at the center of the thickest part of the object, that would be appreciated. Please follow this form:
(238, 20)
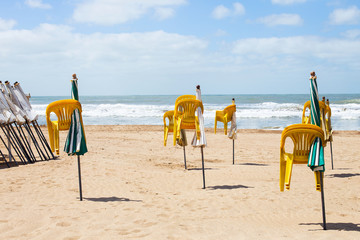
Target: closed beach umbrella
(74, 88)
(76, 141)
(232, 132)
(201, 142)
(316, 156)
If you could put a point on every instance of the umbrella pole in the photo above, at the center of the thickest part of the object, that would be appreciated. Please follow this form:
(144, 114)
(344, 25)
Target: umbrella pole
(79, 178)
(2, 155)
(184, 157)
(203, 169)
(233, 151)
(322, 199)
(11, 144)
(25, 141)
(36, 144)
(47, 157)
(43, 138)
(332, 163)
(17, 143)
(11, 157)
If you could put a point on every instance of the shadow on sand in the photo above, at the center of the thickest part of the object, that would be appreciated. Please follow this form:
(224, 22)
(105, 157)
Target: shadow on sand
(111, 199)
(343, 175)
(254, 164)
(228, 187)
(198, 169)
(336, 226)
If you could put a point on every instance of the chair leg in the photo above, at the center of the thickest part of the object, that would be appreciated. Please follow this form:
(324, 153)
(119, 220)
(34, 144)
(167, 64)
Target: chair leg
(288, 172)
(166, 132)
(282, 174)
(225, 128)
(57, 140)
(215, 125)
(317, 180)
(175, 132)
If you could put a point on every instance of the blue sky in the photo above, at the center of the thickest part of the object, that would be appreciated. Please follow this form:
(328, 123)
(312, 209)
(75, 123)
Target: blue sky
(121, 47)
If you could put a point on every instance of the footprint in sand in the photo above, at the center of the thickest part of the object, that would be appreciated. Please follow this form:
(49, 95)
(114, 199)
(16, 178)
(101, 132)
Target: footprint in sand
(63, 224)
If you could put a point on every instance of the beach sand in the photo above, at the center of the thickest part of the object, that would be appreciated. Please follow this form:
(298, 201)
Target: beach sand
(135, 188)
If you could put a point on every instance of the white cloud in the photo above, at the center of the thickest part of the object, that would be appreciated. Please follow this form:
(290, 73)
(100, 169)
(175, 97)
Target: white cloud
(221, 11)
(50, 51)
(220, 33)
(153, 62)
(353, 33)
(164, 13)
(110, 12)
(6, 24)
(350, 15)
(37, 4)
(239, 9)
(287, 2)
(281, 19)
(344, 51)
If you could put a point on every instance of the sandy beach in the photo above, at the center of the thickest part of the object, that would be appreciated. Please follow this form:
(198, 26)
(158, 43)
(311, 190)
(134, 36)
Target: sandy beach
(135, 188)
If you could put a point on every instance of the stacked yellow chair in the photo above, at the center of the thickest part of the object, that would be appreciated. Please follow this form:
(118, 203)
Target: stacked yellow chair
(325, 121)
(169, 117)
(302, 136)
(225, 116)
(63, 109)
(184, 115)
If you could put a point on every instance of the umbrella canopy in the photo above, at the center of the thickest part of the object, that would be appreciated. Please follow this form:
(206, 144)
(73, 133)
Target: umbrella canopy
(74, 88)
(202, 141)
(233, 127)
(24, 102)
(316, 156)
(75, 142)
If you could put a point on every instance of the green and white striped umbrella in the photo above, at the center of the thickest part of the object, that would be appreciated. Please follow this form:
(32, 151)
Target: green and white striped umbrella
(74, 88)
(75, 142)
(316, 156)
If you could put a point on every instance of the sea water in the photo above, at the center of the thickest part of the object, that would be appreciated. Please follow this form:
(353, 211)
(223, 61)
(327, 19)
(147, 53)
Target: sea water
(265, 111)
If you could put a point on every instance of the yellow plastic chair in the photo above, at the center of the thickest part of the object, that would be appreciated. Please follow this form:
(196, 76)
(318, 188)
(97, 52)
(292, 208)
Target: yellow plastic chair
(184, 97)
(168, 117)
(184, 116)
(302, 136)
(63, 109)
(225, 116)
(323, 108)
(325, 122)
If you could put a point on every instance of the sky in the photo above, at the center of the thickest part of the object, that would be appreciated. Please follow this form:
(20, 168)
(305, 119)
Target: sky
(150, 47)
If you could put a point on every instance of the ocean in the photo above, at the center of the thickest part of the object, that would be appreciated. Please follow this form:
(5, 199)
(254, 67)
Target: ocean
(263, 111)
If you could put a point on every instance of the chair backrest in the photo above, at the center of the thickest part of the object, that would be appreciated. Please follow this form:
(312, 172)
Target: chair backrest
(229, 110)
(302, 136)
(186, 109)
(306, 109)
(183, 97)
(63, 110)
(170, 116)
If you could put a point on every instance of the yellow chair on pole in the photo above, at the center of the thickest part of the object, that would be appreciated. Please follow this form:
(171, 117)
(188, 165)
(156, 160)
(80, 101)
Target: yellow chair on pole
(63, 109)
(325, 121)
(168, 117)
(225, 116)
(184, 116)
(302, 136)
